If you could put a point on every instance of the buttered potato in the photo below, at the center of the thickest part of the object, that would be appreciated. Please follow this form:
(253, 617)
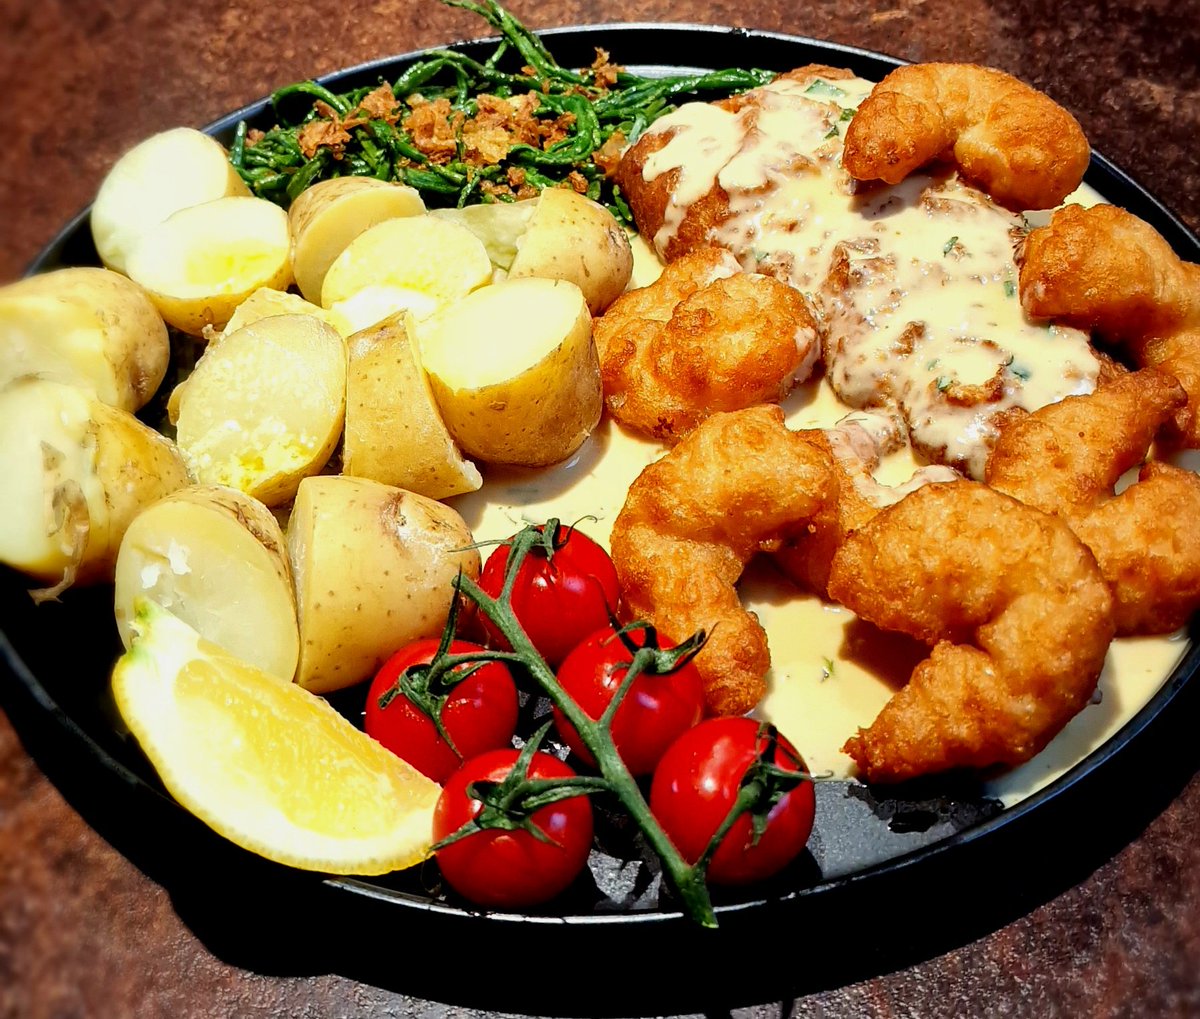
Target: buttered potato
(264, 407)
(76, 473)
(416, 263)
(203, 261)
(167, 172)
(374, 568)
(86, 327)
(216, 558)
(394, 432)
(329, 215)
(514, 371)
(559, 235)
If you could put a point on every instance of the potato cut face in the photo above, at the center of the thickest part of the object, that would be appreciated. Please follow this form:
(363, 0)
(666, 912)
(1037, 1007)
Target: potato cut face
(496, 334)
(265, 302)
(198, 555)
(155, 179)
(329, 215)
(203, 261)
(86, 327)
(499, 225)
(264, 407)
(48, 449)
(416, 263)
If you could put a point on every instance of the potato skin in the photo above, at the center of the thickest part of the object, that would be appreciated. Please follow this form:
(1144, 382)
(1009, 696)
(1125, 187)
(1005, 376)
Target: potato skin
(124, 357)
(321, 230)
(572, 238)
(394, 433)
(374, 568)
(537, 417)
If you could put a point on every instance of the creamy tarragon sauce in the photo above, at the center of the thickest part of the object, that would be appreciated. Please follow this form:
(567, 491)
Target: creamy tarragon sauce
(831, 672)
(914, 285)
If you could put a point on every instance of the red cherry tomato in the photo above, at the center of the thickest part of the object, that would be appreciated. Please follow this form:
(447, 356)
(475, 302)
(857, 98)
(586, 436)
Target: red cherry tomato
(558, 598)
(480, 712)
(506, 869)
(696, 784)
(655, 711)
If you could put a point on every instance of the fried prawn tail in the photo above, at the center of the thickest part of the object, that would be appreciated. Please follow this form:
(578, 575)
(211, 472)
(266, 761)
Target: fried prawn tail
(740, 484)
(1018, 144)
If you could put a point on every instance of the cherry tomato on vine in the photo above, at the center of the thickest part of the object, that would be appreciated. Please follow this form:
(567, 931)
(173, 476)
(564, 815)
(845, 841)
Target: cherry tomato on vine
(506, 869)
(561, 594)
(696, 784)
(655, 711)
(479, 712)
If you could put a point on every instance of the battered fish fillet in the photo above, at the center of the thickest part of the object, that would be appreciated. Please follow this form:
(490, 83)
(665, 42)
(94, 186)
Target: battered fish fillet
(856, 444)
(1015, 142)
(704, 337)
(741, 483)
(1106, 270)
(1066, 459)
(1014, 607)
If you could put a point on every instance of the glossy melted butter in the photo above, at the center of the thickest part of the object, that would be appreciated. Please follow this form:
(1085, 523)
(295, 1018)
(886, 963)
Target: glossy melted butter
(914, 285)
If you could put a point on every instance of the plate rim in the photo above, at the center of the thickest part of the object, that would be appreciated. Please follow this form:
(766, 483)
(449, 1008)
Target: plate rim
(919, 859)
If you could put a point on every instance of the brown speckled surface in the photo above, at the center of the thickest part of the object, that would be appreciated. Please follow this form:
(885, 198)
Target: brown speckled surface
(83, 932)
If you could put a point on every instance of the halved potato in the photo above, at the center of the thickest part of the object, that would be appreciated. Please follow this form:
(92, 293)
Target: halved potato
(394, 432)
(264, 406)
(216, 558)
(203, 261)
(374, 568)
(416, 263)
(330, 214)
(560, 235)
(167, 172)
(76, 473)
(514, 371)
(265, 302)
(86, 327)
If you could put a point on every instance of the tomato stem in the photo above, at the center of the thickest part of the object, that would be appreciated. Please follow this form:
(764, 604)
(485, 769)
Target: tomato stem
(688, 881)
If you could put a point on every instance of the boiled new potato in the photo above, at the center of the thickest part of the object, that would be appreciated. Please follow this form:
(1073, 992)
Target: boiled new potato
(560, 235)
(217, 559)
(86, 327)
(74, 472)
(264, 406)
(374, 568)
(265, 302)
(330, 214)
(156, 178)
(202, 262)
(514, 371)
(394, 432)
(415, 263)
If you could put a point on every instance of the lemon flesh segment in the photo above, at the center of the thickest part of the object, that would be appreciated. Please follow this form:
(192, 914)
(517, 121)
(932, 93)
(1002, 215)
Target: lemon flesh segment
(265, 763)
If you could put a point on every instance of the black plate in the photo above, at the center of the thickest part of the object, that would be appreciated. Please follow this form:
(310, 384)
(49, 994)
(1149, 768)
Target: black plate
(851, 908)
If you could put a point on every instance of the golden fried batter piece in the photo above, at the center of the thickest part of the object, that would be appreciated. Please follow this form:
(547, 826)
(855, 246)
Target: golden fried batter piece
(704, 337)
(741, 483)
(1014, 607)
(856, 444)
(1067, 457)
(650, 200)
(1106, 270)
(1019, 145)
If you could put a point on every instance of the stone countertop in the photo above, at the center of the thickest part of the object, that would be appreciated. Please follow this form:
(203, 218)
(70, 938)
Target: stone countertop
(84, 932)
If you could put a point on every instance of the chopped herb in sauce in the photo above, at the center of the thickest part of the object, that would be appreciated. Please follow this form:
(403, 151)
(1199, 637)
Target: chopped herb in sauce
(832, 132)
(826, 669)
(823, 90)
(849, 112)
(1020, 371)
(943, 383)
(949, 245)
(1010, 288)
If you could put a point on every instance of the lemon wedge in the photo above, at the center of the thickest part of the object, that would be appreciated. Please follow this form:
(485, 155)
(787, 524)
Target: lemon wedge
(265, 763)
